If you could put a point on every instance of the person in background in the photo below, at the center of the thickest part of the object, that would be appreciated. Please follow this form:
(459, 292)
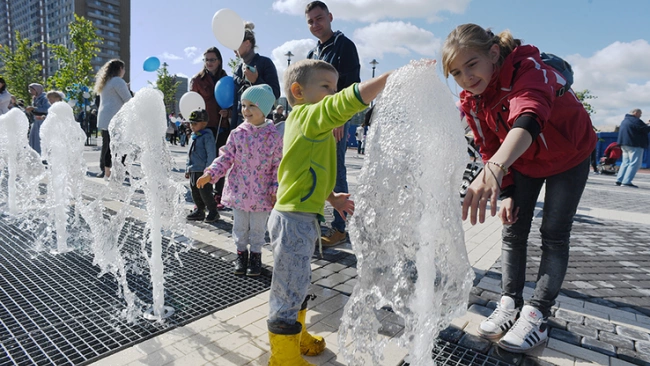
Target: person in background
(338, 50)
(250, 158)
(633, 139)
(5, 97)
(202, 151)
(254, 69)
(529, 137)
(54, 96)
(38, 109)
(359, 136)
(218, 118)
(114, 93)
(278, 115)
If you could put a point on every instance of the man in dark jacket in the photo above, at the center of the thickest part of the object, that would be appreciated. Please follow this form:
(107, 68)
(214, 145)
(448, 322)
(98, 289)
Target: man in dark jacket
(633, 139)
(340, 52)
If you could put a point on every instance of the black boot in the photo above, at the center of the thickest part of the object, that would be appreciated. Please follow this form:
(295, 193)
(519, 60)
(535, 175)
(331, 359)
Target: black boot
(241, 262)
(254, 265)
(196, 215)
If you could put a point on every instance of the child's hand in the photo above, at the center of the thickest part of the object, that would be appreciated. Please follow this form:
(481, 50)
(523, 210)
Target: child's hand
(203, 180)
(187, 175)
(342, 203)
(505, 212)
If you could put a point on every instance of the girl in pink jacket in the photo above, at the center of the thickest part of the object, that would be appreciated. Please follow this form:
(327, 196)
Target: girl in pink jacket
(252, 154)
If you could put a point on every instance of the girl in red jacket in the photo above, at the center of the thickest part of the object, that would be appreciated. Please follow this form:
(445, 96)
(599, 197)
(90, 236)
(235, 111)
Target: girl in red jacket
(530, 132)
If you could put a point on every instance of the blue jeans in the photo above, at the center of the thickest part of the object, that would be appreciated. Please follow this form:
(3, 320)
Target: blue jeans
(563, 192)
(630, 165)
(341, 176)
(293, 237)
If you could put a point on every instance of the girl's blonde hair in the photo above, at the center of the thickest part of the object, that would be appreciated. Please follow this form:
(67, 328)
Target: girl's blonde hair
(109, 70)
(474, 37)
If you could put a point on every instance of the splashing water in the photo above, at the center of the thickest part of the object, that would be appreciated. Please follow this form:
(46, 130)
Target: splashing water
(137, 132)
(62, 146)
(20, 161)
(406, 231)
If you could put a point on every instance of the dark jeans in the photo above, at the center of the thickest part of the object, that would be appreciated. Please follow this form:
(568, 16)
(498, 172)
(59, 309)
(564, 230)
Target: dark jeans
(341, 175)
(202, 197)
(563, 192)
(105, 160)
(221, 139)
(594, 160)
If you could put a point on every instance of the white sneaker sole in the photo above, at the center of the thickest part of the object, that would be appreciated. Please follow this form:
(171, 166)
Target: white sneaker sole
(520, 350)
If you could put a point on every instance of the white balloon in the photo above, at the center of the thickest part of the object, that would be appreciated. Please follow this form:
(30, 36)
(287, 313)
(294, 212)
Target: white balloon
(72, 102)
(228, 28)
(189, 102)
(86, 95)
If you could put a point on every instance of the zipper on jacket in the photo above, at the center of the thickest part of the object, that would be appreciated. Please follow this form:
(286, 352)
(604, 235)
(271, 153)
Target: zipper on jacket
(499, 119)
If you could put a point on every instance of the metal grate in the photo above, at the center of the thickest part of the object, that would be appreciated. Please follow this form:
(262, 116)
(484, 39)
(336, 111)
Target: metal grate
(445, 353)
(54, 310)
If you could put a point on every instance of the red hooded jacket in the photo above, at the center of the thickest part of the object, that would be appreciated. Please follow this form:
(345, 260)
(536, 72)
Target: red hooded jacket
(524, 84)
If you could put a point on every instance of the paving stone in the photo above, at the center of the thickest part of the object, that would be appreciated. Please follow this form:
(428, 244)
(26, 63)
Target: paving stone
(582, 330)
(481, 310)
(451, 334)
(577, 351)
(478, 344)
(600, 324)
(633, 357)
(565, 336)
(505, 356)
(598, 346)
(618, 362)
(642, 347)
(476, 291)
(616, 340)
(532, 361)
(474, 299)
(557, 323)
(569, 316)
(491, 296)
(632, 333)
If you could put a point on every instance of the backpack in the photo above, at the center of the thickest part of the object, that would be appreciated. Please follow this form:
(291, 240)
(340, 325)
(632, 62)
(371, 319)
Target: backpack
(563, 67)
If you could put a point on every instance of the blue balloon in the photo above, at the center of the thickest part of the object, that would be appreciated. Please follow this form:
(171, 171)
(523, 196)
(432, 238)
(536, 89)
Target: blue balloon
(178, 124)
(224, 91)
(151, 64)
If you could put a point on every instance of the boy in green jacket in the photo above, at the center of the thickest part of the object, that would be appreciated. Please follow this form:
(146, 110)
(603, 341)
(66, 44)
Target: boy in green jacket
(306, 178)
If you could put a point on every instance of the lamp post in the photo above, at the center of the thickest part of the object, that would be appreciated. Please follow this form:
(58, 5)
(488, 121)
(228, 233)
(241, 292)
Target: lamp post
(374, 64)
(289, 55)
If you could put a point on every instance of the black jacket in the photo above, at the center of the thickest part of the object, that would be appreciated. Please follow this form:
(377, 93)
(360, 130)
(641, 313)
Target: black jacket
(633, 132)
(340, 52)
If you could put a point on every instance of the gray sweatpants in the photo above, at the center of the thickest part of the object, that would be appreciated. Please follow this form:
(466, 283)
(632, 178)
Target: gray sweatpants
(249, 228)
(293, 236)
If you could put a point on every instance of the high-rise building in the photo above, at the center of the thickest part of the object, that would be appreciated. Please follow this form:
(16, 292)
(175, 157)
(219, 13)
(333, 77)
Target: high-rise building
(46, 21)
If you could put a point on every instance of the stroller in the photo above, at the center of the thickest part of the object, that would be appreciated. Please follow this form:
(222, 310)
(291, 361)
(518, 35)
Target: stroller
(473, 168)
(607, 164)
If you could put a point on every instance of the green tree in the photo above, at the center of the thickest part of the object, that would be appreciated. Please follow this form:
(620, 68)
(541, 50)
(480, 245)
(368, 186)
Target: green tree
(20, 68)
(75, 69)
(584, 96)
(168, 85)
(233, 62)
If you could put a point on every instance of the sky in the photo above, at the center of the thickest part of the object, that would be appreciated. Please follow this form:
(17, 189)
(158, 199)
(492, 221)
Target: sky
(606, 41)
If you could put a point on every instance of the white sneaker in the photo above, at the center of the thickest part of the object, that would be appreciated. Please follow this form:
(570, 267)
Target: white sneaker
(498, 323)
(528, 332)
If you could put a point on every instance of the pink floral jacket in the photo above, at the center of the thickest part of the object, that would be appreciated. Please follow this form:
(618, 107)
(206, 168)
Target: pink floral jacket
(254, 154)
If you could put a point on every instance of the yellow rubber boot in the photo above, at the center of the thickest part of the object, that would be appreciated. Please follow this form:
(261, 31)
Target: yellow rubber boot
(309, 345)
(285, 348)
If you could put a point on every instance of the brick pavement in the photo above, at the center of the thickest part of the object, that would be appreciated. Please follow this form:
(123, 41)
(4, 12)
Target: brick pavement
(593, 322)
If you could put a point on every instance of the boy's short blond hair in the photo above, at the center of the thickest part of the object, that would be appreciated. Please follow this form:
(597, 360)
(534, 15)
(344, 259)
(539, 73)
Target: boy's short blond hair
(300, 72)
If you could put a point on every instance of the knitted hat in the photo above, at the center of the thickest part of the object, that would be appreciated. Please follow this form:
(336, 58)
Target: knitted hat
(260, 95)
(198, 115)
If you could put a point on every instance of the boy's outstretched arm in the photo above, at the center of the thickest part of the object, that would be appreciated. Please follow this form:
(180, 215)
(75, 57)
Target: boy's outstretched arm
(341, 203)
(369, 89)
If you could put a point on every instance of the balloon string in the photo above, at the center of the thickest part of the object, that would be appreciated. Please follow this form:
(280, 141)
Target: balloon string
(218, 128)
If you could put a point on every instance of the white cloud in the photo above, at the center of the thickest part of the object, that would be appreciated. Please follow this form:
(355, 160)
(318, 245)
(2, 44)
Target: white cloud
(400, 38)
(618, 75)
(197, 60)
(374, 10)
(170, 56)
(298, 47)
(190, 51)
